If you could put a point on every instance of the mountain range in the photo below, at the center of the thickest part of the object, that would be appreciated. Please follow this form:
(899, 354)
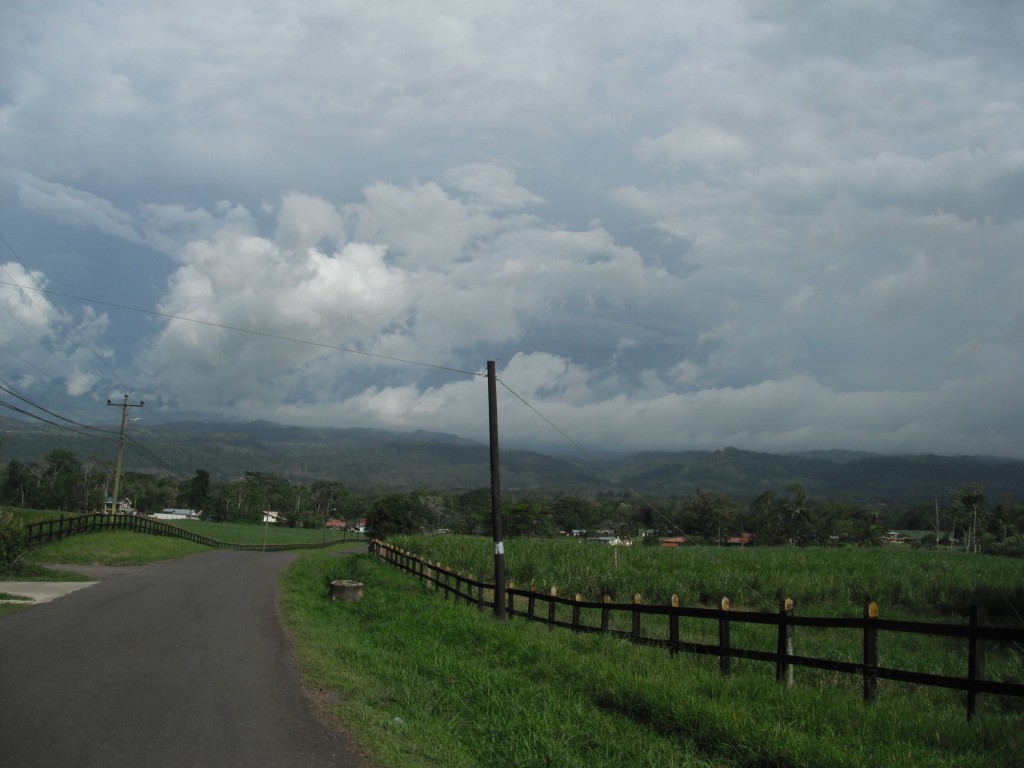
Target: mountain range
(371, 460)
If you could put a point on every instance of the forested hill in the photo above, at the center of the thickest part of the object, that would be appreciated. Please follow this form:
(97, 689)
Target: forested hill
(378, 460)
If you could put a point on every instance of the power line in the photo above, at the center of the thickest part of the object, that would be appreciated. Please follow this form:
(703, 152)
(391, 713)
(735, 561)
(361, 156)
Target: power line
(6, 387)
(60, 326)
(592, 459)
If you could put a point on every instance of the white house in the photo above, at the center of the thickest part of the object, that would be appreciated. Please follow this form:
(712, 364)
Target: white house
(176, 514)
(274, 517)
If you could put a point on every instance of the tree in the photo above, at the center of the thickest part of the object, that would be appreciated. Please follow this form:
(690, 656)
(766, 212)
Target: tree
(571, 512)
(61, 481)
(968, 503)
(17, 484)
(708, 514)
(394, 514)
(198, 490)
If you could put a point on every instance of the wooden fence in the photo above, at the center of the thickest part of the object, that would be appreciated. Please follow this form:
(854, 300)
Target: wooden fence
(552, 609)
(62, 527)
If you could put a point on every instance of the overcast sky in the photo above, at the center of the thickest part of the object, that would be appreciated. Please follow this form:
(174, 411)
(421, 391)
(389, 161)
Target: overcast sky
(770, 225)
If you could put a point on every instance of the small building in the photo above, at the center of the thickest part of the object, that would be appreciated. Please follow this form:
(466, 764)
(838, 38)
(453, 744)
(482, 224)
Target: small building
(123, 507)
(174, 513)
(270, 516)
(743, 540)
(336, 524)
(674, 541)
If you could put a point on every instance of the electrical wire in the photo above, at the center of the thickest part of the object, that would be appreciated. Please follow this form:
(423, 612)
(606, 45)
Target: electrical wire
(110, 373)
(651, 506)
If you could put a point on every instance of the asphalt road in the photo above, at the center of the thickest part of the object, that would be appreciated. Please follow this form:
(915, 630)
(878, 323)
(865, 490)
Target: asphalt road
(182, 663)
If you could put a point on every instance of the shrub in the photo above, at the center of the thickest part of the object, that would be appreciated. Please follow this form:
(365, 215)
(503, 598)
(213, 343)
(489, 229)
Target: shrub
(12, 544)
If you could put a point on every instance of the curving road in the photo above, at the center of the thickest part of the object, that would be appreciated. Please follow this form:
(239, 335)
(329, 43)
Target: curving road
(181, 663)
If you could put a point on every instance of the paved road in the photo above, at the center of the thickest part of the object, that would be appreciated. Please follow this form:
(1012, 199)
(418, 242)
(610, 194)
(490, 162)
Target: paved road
(178, 664)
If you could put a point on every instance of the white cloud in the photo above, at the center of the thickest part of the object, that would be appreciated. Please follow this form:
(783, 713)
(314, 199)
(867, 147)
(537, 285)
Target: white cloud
(677, 225)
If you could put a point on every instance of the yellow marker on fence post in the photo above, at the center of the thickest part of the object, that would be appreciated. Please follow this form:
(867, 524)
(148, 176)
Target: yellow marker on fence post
(673, 628)
(870, 651)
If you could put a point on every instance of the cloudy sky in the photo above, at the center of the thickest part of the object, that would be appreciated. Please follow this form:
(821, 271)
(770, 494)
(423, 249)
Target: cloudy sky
(772, 225)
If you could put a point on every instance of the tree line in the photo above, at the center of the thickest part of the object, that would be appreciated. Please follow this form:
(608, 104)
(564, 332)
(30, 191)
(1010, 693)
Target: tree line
(965, 518)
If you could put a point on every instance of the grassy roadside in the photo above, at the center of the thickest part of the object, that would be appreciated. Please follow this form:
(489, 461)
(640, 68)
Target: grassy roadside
(130, 548)
(470, 691)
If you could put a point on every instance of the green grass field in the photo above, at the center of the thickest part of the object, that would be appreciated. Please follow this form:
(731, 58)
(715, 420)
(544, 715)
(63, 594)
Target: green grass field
(468, 690)
(904, 582)
(130, 548)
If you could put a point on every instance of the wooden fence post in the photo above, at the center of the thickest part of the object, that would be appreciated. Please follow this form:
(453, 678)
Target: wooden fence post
(870, 651)
(724, 658)
(975, 661)
(576, 613)
(511, 611)
(784, 649)
(551, 608)
(605, 612)
(531, 601)
(673, 628)
(635, 635)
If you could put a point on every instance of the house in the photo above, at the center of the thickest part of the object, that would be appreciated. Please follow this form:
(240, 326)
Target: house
(274, 517)
(173, 513)
(124, 507)
(743, 540)
(675, 541)
(336, 524)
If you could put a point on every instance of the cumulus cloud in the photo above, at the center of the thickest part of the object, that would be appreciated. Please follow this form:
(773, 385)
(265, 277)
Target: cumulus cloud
(688, 225)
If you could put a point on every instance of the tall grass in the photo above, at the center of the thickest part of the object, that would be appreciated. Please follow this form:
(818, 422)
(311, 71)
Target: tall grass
(468, 690)
(821, 581)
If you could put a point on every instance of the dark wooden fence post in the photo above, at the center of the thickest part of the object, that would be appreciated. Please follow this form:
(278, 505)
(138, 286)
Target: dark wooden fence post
(511, 599)
(870, 651)
(724, 658)
(605, 612)
(975, 661)
(635, 634)
(576, 612)
(531, 601)
(673, 628)
(783, 669)
(551, 608)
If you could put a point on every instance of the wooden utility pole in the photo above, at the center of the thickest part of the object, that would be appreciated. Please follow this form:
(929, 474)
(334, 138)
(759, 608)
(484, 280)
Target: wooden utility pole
(499, 544)
(120, 447)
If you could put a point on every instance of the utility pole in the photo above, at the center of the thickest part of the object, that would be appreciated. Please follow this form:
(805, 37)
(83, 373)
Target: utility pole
(120, 447)
(499, 544)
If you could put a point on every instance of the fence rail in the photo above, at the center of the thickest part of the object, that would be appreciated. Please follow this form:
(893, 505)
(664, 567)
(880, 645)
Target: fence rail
(62, 527)
(534, 605)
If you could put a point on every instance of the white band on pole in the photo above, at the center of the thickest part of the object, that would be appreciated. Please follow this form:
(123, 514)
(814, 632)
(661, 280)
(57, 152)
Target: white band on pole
(499, 548)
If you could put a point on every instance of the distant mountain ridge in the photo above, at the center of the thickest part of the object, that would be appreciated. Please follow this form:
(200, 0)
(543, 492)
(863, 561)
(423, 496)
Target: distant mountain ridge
(375, 460)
